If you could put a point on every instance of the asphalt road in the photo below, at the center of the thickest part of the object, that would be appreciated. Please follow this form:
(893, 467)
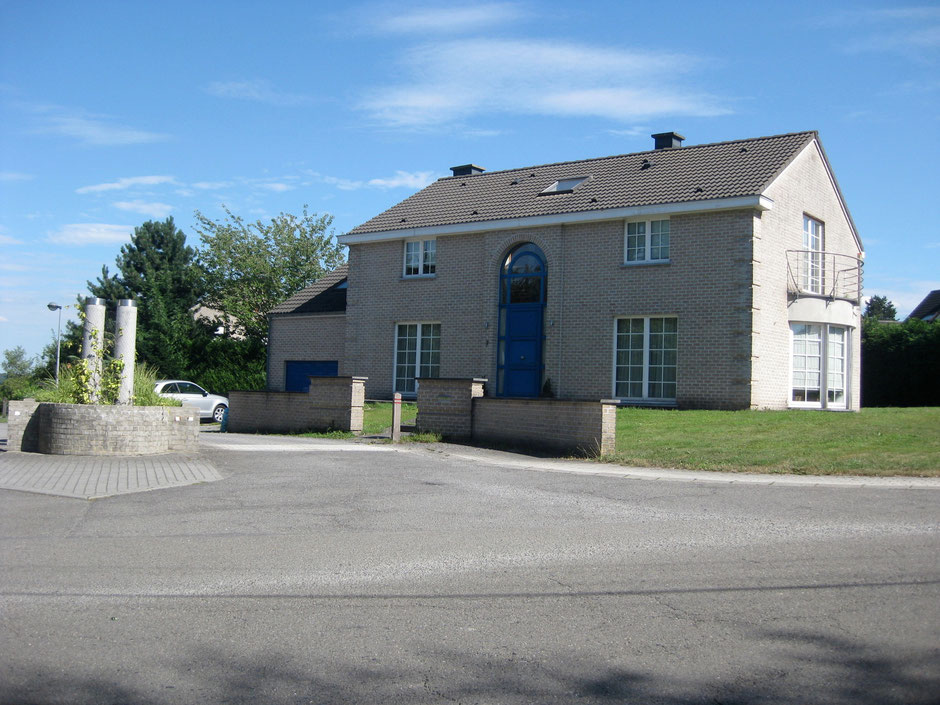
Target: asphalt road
(328, 574)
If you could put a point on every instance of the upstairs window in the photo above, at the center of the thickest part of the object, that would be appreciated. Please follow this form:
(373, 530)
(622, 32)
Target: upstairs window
(420, 258)
(646, 241)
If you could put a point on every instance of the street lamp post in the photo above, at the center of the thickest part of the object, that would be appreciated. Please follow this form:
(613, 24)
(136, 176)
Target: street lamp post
(52, 306)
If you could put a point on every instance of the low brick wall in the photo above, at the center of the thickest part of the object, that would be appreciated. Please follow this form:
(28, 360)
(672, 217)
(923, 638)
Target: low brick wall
(23, 426)
(445, 405)
(583, 427)
(331, 403)
(89, 429)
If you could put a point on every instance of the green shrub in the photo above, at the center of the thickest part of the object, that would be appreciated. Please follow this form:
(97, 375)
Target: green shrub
(145, 378)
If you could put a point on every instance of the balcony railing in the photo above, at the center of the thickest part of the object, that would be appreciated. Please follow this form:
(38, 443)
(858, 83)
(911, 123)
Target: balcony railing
(824, 274)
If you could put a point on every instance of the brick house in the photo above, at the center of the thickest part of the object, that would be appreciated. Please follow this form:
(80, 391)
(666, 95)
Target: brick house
(722, 276)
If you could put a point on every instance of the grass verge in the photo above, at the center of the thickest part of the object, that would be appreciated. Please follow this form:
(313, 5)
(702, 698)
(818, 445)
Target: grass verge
(876, 442)
(377, 419)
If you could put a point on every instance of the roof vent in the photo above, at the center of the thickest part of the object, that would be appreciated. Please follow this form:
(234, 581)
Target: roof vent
(467, 170)
(667, 140)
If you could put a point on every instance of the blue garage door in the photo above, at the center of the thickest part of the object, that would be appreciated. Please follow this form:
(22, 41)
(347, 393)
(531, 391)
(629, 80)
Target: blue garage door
(299, 370)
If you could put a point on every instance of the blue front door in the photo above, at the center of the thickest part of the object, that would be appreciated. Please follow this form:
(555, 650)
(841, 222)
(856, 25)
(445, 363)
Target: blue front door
(521, 308)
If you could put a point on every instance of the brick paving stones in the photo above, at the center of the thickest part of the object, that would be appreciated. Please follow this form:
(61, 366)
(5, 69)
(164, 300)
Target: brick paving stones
(87, 477)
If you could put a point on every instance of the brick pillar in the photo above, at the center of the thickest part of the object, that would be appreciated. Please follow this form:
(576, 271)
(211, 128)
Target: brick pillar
(341, 399)
(445, 405)
(608, 440)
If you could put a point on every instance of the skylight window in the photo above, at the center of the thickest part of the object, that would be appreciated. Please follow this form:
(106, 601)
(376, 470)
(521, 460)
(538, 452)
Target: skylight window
(564, 185)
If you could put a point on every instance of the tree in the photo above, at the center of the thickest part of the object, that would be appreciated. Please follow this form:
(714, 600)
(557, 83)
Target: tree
(252, 267)
(900, 363)
(161, 273)
(16, 364)
(19, 374)
(880, 309)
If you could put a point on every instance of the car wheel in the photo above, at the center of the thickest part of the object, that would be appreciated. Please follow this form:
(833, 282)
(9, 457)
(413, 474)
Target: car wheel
(218, 413)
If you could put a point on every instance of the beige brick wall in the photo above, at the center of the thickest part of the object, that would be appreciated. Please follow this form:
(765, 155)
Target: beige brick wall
(303, 337)
(705, 286)
(331, 403)
(804, 187)
(583, 427)
(445, 405)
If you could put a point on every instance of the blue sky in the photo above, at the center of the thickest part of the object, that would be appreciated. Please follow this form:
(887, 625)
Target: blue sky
(114, 113)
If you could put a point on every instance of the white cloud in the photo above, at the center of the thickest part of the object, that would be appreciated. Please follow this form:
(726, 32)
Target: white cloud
(637, 131)
(211, 185)
(448, 18)
(8, 239)
(91, 234)
(403, 179)
(278, 187)
(456, 80)
(126, 183)
(153, 210)
(9, 267)
(97, 131)
(14, 176)
(255, 90)
(4, 320)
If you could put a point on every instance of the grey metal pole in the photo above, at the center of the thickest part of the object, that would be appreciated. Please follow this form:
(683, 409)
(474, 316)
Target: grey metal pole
(125, 337)
(53, 306)
(58, 346)
(93, 342)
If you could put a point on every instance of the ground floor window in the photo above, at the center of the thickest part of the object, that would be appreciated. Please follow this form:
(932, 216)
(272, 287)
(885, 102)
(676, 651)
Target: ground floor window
(417, 354)
(818, 360)
(645, 353)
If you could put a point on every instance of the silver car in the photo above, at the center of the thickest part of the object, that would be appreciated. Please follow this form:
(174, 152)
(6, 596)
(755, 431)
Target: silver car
(211, 406)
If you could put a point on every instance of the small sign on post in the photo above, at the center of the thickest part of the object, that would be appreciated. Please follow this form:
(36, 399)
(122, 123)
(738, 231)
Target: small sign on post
(396, 418)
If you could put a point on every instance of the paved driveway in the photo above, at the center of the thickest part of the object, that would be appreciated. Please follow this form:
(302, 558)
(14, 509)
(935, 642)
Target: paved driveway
(320, 572)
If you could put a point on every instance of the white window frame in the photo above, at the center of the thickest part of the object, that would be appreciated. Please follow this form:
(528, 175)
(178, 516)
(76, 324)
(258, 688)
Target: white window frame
(419, 350)
(814, 244)
(426, 261)
(826, 371)
(648, 247)
(646, 398)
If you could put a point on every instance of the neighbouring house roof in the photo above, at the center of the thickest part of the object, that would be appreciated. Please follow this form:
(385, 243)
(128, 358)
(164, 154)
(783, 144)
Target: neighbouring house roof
(705, 172)
(323, 296)
(929, 308)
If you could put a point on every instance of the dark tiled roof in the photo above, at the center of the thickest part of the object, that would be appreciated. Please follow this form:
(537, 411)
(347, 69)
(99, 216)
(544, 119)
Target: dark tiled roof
(676, 175)
(929, 307)
(319, 297)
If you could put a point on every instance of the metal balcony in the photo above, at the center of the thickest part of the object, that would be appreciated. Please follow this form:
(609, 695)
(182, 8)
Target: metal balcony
(827, 275)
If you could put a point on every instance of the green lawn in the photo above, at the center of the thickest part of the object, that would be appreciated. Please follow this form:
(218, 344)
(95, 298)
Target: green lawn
(378, 416)
(871, 442)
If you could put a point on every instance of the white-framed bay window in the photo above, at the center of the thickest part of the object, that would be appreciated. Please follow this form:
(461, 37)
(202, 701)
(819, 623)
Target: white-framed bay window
(645, 359)
(420, 258)
(646, 241)
(417, 354)
(819, 364)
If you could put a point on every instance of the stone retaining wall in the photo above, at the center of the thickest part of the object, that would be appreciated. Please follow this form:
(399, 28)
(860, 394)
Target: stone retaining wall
(332, 403)
(89, 429)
